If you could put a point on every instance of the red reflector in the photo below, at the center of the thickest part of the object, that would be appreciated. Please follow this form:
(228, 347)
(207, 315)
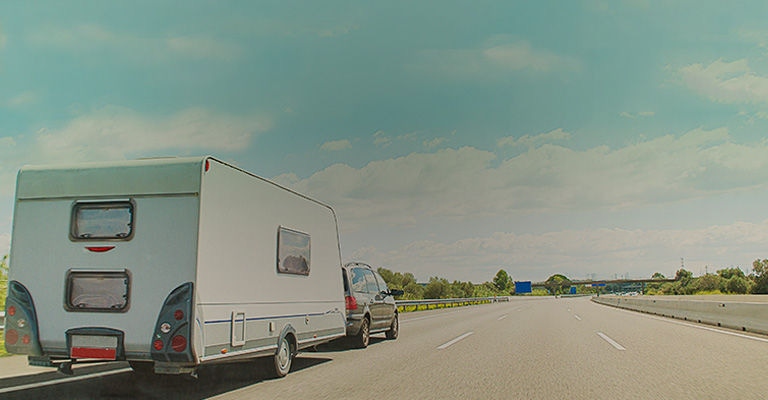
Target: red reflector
(88, 352)
(179, 315)
(351, 303)
(207, 165)
(11, 336)
(179, 343)
(11, 311)
(25, 339)
(158, 345)
(99, 249)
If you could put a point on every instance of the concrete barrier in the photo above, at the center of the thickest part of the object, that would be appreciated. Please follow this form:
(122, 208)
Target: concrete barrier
(747, 316)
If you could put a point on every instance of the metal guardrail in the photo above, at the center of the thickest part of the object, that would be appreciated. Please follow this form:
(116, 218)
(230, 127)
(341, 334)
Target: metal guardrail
(404, 305)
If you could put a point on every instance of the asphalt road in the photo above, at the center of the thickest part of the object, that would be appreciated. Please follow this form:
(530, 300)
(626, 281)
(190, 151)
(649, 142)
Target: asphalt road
(528, 348)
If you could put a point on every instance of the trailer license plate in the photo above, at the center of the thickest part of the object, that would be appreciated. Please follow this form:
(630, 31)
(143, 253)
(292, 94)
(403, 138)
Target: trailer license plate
(91, 346)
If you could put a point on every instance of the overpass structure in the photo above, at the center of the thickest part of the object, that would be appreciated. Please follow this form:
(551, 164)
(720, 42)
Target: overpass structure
(624, 284)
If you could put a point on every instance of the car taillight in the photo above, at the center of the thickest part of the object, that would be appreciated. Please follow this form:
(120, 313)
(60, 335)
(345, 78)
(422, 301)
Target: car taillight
(351, 302)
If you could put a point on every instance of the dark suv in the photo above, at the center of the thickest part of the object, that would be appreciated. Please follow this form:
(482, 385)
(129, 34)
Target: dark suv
(370, 304)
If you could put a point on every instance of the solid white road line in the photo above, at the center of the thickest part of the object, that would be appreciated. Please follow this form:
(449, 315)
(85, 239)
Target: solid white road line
(454, 341)
(611, 341)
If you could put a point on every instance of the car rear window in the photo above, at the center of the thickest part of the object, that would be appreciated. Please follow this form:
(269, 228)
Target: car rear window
(104, 220)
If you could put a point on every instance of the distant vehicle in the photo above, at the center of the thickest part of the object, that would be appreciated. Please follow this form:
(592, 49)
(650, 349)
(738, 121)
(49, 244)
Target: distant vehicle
(370, 304)
(168, 264)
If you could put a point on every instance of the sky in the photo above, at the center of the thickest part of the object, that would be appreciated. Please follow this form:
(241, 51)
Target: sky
(597, 139)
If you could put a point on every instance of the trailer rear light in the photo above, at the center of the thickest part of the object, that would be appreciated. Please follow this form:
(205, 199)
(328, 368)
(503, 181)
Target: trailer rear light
(99, 249)
(351, 302)
(172, 336)
(11, 337)
(179, 343)
(21, 335)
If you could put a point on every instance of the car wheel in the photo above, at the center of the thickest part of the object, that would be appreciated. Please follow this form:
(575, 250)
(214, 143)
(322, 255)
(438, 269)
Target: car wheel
(283, 358)
(394, 329)
(363, 337)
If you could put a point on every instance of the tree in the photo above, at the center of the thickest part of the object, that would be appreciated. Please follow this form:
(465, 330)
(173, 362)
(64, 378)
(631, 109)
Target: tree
(557, 284)
(3, 281)
(760, 269)
(683, 274)
(437, 288)
(728, 273)
(503, 281)
(658, 275)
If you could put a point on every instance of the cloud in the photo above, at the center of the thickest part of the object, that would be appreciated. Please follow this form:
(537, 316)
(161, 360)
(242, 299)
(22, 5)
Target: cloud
(336, 145)
(535, 140)
(23, 99)
(431, 144)
(498, 58)
(726, 82)
(115, 132)
(641, 114)
(140, 49)
(5, 244)
(381, 139)
(468, 183)
(577, 253)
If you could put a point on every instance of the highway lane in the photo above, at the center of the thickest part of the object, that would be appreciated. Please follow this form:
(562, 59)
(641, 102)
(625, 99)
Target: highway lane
(528, 348)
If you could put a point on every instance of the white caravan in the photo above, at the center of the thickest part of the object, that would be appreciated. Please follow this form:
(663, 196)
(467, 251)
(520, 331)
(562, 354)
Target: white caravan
(168, 264)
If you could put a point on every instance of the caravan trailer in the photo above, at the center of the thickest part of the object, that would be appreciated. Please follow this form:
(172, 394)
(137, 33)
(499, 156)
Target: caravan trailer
(168, 264)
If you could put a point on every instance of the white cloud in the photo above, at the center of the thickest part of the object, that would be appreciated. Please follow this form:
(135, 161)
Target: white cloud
(726, 82)
(640, 114)
(496, 59)
(577, 253)
(519, 55)
(468, 183)
(23, 99)
(431, 144)
(5, 244)
(535, 140)
(140, 49)
(116, 132)
(380, 138)
(336, 145)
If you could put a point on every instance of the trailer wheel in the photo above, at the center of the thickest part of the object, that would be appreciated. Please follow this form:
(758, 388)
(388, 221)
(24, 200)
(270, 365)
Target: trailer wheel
(394, 329)
(284, 357)
(364, 336)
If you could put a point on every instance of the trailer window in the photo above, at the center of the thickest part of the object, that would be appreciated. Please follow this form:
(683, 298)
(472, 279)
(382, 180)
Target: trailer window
(99, 221)
(293, 252)
(97, 291)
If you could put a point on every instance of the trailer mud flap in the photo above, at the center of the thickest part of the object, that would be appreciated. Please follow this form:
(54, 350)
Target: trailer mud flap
(95, 343)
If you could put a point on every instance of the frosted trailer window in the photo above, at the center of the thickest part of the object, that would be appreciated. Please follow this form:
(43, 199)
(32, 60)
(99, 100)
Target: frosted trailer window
(97, 291)
(112, 220)
(293, 252)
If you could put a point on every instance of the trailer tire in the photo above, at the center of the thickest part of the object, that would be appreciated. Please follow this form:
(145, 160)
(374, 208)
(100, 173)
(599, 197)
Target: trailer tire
(284, 357)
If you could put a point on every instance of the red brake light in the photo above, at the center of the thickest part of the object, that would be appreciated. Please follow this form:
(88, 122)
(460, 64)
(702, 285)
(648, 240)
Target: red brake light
(11, 311)
(351, 303)
(158, 345)
(25, 339)
(99, 249)
(179, 343)
(179, 315)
